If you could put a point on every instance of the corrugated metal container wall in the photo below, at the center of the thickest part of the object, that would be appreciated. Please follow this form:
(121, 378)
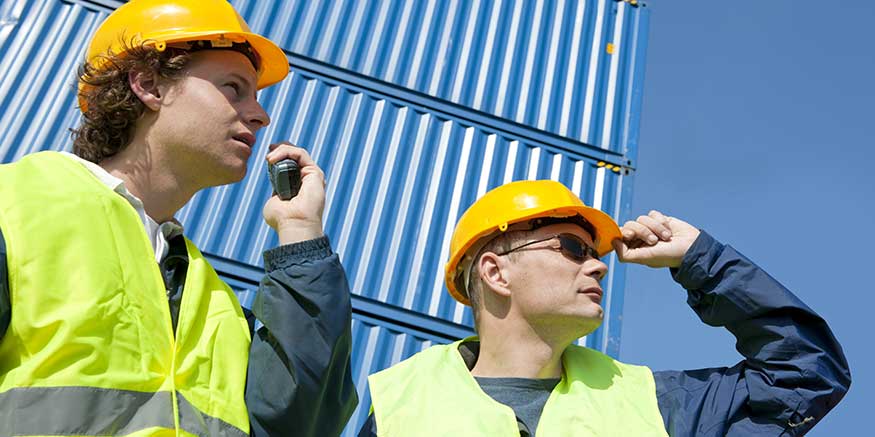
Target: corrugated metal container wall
(413, 109)
(560, 66)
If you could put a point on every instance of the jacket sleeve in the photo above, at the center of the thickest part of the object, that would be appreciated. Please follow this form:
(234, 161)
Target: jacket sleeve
(793, 372)
(5, 303)
(299, 380)
(369, 428)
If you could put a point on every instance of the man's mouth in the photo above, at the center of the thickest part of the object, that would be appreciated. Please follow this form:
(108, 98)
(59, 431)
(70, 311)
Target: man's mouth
(595, 292)
(245, 138)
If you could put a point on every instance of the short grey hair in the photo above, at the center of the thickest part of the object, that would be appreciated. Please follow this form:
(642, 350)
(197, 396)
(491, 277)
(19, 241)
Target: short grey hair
(474, 285)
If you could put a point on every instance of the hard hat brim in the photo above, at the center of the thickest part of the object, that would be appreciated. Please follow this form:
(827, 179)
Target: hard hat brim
(274, 65)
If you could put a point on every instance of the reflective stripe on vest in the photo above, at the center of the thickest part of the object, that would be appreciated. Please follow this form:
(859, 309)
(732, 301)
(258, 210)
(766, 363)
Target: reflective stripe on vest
(125, 412)
(90, 330)
(434, 394)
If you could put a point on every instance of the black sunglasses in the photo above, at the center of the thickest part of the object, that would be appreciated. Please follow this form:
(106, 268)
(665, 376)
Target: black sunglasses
(569, 244)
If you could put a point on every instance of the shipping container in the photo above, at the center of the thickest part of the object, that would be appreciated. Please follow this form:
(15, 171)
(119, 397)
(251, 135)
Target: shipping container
(414, 109)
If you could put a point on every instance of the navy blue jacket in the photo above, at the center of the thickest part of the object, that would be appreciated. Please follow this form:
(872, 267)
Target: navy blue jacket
(793, 372)
(299, 379)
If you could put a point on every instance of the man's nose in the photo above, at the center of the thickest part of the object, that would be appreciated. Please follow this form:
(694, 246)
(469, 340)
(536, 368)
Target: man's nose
(257, 117)
(595, 268)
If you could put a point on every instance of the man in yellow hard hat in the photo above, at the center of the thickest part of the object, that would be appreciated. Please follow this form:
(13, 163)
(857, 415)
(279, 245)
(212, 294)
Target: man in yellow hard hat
(527, 258)
(111, 321)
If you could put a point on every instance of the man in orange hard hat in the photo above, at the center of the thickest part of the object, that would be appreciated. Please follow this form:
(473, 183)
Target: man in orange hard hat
(111, 321)
(527, 258)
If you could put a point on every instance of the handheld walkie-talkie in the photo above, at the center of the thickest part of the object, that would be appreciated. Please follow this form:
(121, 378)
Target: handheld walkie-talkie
(285, 177)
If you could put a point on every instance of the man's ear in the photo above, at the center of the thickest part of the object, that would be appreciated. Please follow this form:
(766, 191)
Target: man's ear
(493, 273)
(145, 87)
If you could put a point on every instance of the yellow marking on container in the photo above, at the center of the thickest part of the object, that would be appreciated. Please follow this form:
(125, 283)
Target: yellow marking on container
(610, 48)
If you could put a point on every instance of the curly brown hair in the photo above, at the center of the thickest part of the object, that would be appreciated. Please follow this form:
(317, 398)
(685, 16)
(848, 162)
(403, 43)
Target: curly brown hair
(112, 108)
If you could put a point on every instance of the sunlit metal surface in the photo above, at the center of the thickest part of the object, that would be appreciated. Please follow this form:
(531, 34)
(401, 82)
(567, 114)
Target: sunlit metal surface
(413, 109)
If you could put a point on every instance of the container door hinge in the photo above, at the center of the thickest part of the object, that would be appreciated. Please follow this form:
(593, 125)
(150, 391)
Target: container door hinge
(619, 169)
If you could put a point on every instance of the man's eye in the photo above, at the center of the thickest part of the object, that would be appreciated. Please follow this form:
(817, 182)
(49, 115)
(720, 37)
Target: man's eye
(234, 86)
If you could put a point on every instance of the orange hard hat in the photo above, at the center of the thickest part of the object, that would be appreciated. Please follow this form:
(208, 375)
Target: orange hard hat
(512, 203)
(163, 22)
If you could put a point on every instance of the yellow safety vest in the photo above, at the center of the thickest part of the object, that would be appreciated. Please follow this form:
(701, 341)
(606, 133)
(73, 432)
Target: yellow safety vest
(90, 348)
(434, 394)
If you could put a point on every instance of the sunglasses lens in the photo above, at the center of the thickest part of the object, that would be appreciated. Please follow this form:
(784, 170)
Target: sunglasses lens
(576, 249)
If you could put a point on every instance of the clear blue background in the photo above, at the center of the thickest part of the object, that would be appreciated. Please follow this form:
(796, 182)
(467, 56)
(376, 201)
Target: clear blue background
(758, 126)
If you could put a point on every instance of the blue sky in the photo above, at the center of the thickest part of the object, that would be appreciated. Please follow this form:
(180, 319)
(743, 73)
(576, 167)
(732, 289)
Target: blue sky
(757, 126)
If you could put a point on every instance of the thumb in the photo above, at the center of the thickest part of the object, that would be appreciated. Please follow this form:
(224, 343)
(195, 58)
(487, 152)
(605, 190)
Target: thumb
(620, 248)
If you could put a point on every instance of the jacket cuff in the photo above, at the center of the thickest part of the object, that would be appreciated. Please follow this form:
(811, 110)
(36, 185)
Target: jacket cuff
(297, 253)
(694, 270)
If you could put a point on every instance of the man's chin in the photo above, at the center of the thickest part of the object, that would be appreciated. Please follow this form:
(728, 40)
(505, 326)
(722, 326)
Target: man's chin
(230, 176)
(234, 173)
(588, 325)
(587, 331)
(574, 327)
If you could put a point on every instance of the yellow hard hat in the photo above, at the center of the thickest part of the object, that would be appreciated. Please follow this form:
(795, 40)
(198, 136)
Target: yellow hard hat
(517, 202)
(163, 22)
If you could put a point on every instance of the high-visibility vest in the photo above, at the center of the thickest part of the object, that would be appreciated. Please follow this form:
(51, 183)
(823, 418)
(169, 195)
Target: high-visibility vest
(90, 348)
(434, 394)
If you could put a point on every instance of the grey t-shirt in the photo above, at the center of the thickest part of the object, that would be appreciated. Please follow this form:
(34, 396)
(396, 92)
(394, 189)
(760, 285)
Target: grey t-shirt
(525, 396)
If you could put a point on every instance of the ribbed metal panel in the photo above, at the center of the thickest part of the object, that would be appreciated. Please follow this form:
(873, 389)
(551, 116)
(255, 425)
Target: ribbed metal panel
(378, 344)
(454, 98)
(398, 175)
(41, 44)
(398, 180)
(563, 66)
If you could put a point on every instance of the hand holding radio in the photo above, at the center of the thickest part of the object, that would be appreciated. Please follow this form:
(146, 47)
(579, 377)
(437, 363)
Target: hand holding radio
(285, 177)
(295, 209)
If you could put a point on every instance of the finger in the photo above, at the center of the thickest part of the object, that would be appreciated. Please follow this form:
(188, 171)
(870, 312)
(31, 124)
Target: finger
(655, 226)
(629, 253)
(273, 146)
(620, 248)
(678, 225)
(635, 244)
(627, 232)
(287, 150)
(313, 172)
(637, 231)
(280, 151)
(660, 217)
